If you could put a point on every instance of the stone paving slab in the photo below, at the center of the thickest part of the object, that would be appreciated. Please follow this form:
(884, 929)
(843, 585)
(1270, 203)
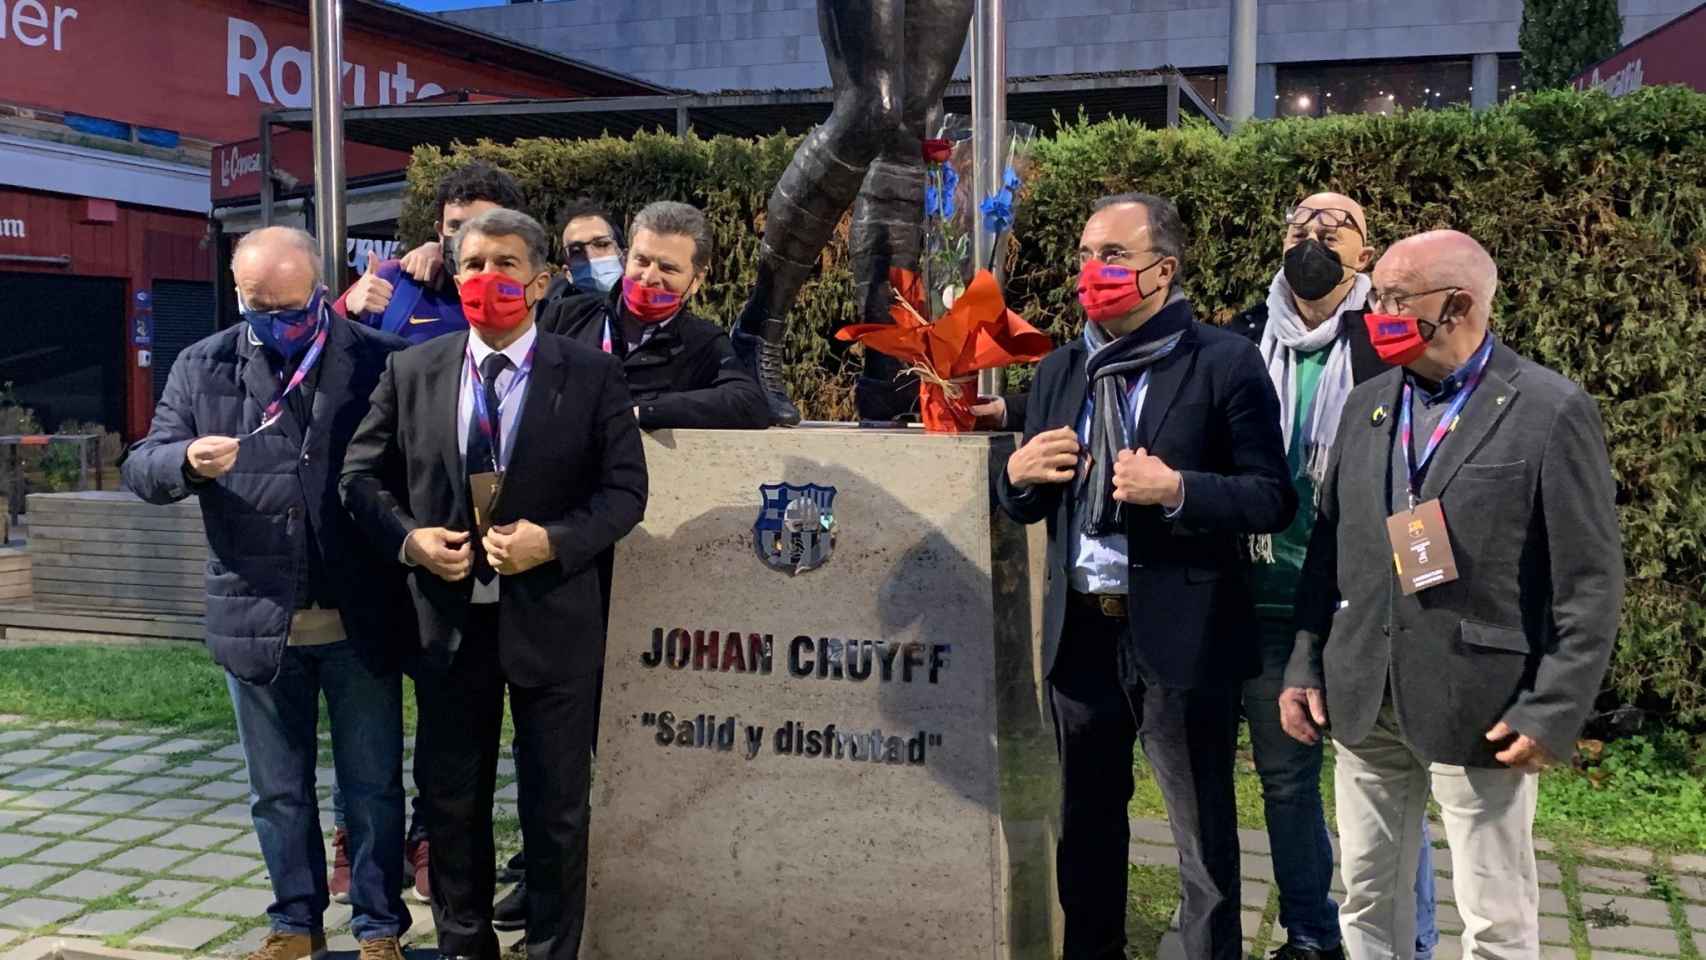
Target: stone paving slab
(90, 885)
(236, 814)
(1656, 940)
(110, 803)
(220, 866)
(125, 743)
(180, 745)
(26, 876)
(36, 778)
(1620, 881)
(170, 894)
(34, 912)
(202, 769)
(176, 808)
(147, 859)
(50, 799)
(106, 923)
(244, 945)
(75, 852)
(65, 740)
(1637, 909)
(236, 902)
(140, 763)
(84, 759)
(97, 782)
(184, 933)
(61, 824)
(197, 837)
(13, 845)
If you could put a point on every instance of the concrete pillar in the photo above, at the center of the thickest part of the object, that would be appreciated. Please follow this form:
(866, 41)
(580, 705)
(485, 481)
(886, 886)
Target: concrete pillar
(1267, 85)
(1241, 62)
(1484, 81)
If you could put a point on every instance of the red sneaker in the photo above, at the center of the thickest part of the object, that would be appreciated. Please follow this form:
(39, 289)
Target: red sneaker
(423, 886)
(338, 885)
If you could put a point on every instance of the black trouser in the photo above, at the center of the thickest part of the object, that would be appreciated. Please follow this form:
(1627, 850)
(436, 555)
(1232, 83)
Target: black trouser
(461, 714)
(1189, 738)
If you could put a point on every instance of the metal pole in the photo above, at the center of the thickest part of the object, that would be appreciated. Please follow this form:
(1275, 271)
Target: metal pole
(1241, 63)
(989, 134)
(266, 170)
(326, 23)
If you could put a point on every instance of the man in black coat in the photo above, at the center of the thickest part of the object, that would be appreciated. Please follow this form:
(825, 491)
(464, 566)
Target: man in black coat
(254, 423)
(1152, 450)
(1459, 603)
(682, 369)
(522, 463)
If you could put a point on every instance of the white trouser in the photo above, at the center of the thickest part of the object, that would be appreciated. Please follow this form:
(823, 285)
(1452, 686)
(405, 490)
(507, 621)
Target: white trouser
(1382, 791)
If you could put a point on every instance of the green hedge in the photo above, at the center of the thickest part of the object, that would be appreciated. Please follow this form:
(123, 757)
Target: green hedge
(1594, 208)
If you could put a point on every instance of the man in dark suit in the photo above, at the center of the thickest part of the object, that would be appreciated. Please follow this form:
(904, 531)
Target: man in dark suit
(254, 423)
(1152, 450)
(1459, 602)
(522, 464)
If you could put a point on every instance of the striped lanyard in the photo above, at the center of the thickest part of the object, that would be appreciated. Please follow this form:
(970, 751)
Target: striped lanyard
(276, 408)
(484, 416)
(1415, 465)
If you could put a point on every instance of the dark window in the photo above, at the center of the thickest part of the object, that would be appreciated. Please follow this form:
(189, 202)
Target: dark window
(63, 347)
(183, 314)
(1211, 86)
(1321, 89)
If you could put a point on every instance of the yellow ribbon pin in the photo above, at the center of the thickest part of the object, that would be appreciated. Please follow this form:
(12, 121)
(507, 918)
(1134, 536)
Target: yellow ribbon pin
(1379, 415)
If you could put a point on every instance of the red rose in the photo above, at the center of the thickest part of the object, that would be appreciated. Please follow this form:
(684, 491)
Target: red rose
(938, 151)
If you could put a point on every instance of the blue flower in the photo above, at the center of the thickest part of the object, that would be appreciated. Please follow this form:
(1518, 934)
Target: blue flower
(941, 203)
(1011, 181)
(998, 211)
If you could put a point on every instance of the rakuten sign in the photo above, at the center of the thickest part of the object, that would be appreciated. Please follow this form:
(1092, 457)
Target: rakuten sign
(283, 76)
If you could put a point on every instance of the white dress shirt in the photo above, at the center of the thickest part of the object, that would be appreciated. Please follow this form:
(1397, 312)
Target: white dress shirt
(1100, 564)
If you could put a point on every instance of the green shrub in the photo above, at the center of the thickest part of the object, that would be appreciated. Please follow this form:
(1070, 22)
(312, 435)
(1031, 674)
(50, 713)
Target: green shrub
(1595, 209)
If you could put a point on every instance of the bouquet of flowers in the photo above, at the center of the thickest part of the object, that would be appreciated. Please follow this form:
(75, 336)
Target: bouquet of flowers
(951, 213)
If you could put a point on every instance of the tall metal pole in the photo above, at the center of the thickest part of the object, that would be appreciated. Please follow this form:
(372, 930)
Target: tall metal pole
(989, 134)
(326, 23)
(1241, 63)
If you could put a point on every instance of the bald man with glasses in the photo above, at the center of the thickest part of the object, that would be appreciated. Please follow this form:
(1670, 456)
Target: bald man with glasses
(1458, 605)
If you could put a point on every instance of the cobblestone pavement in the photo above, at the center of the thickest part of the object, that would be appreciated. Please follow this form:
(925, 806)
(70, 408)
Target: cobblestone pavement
(141, 838)
(1595, 904)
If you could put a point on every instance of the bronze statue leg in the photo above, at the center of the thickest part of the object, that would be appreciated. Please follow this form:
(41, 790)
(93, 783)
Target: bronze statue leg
(889, 210)
(864, 42)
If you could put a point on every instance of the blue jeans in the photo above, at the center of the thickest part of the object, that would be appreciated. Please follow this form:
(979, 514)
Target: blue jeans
(276, 724)
(1297, 825)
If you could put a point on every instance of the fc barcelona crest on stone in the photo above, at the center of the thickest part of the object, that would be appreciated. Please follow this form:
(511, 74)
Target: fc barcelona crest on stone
(795, 531)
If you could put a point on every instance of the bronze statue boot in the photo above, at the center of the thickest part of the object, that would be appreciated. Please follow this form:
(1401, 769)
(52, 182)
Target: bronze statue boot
(762, 355)
(884, 391)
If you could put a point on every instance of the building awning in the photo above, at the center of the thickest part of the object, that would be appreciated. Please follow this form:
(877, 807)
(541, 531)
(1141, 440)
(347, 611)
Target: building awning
(102, 174)
(1156, 98)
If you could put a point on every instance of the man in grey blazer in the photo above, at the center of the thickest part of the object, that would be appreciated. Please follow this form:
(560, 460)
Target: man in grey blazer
(1458, 605)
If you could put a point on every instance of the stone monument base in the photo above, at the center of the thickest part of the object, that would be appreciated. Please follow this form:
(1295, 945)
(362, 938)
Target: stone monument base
(823, 732)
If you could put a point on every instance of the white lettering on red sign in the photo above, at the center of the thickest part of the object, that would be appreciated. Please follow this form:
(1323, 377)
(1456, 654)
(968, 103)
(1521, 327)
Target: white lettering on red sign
(1626, 80)
(30, 24)
(234, 165)
(12, 229)
(284, 77)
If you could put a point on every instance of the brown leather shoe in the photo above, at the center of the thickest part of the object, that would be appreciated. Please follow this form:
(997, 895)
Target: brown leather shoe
(381, 948)
(291, 946)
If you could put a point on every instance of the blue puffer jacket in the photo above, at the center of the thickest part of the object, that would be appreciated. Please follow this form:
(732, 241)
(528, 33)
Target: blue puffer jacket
(283, 488)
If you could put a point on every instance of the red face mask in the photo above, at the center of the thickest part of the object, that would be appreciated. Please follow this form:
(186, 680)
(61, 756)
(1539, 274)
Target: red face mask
(649, 304)
(1396, 338)
(1108, 292)
(492, 301)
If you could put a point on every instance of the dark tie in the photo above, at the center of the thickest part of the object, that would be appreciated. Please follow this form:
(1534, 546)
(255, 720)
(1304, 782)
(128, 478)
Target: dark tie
(482, 453)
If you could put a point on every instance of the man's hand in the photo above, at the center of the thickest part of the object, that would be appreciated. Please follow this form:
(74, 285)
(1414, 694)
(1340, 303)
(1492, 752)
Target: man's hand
(445, 553)
(424, 261)
(371, 294)
(1303, 713)
(991, 413)
(1524, 753)
(517, 547)
(211, 456)
(1050, 457)
(1143, 479)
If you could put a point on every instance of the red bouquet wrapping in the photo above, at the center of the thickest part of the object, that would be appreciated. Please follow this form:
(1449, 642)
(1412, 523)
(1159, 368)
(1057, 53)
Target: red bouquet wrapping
(977, 333)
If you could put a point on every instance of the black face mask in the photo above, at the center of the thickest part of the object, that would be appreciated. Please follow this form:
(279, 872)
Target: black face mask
(1311, 270)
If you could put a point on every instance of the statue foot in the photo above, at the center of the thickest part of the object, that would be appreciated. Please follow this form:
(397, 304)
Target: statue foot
(883, 392)
(762, 356)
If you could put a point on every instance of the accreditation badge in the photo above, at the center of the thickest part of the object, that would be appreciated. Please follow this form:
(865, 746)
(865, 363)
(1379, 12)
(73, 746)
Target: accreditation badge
(483, 490)
(1421, 547)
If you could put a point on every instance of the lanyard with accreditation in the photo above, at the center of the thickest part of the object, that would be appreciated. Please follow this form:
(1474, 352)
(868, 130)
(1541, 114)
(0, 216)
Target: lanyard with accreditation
(485, 487)
(1421, 544)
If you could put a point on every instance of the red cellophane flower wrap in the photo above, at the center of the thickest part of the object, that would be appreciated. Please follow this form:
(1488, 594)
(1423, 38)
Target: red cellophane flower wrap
(977, 333)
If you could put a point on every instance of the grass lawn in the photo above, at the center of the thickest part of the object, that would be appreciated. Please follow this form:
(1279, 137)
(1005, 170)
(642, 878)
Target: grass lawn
(1646, 791)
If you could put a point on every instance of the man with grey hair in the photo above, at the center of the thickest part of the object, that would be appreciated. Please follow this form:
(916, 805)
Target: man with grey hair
(1152, 450)
(523, 466)
(255, 422)
(1458, 605)
(681, 368)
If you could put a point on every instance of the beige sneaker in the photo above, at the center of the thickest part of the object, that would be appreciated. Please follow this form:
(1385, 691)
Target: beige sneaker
(291, 946)
(381, 948)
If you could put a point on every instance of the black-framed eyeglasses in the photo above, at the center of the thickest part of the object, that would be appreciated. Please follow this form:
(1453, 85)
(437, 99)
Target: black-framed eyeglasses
(1395, 302)
(1333, 218)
